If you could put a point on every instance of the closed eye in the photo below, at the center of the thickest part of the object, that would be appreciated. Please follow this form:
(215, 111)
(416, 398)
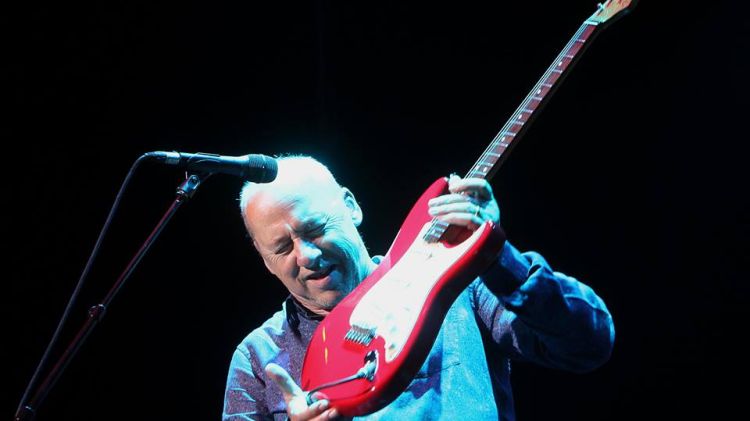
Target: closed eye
(311, 233)
(316, 231)
(284, 249)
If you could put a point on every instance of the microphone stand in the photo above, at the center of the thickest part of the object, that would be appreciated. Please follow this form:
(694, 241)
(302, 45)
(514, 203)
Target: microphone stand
(184, 192)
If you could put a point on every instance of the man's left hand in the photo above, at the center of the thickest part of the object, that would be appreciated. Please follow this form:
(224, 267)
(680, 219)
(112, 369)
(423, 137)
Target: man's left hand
(469, 204)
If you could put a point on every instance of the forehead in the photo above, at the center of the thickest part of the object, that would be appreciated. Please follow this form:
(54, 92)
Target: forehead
(275, 215)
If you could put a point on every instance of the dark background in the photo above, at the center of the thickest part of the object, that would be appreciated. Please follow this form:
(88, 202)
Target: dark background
(633, 179)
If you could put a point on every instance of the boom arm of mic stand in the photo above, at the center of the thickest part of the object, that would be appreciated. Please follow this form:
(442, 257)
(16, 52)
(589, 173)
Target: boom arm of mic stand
(185, 191)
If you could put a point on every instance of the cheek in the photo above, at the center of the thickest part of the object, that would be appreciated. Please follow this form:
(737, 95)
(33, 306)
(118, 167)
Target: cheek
(345, 246)
(279, 266)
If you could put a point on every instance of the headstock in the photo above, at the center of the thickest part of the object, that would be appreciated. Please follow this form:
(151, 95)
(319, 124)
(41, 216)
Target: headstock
(610, 9)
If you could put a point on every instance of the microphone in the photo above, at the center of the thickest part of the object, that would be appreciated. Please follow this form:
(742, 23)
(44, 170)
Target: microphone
(254, 167)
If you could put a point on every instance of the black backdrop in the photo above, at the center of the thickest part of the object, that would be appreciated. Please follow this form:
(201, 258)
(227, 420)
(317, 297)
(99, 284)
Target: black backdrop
(633, 179)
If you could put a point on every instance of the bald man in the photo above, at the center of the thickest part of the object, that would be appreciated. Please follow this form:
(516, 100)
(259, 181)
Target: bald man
(304, 226)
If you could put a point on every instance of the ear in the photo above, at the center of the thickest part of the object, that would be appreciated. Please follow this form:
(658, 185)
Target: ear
(351, 203)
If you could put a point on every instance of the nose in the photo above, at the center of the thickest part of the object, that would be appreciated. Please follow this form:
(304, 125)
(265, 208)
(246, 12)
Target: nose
(308, 254)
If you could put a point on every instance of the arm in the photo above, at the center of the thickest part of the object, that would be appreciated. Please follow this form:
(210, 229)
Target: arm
(532, 312)
(538, 315)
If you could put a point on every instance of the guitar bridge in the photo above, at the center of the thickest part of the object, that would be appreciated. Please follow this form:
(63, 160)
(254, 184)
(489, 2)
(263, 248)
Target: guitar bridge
(360, 335)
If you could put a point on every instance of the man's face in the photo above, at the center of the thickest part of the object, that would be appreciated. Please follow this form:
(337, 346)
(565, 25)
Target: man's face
(309, 240)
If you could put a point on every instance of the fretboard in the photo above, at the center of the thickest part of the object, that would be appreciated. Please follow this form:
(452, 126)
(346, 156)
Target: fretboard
(499, 148)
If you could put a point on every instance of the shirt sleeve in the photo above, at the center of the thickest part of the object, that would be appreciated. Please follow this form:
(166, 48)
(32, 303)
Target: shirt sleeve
(240, 397)
(536, 314)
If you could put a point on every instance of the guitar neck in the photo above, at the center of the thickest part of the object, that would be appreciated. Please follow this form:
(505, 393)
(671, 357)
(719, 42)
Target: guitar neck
(495, 154)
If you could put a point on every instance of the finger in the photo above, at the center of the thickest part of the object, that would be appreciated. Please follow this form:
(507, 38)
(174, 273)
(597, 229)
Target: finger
(316, 396)
(451, 198)
(317, 411)
(471, 221)
(455, 207)
(330, 414)
(284, 381)
(475, 186)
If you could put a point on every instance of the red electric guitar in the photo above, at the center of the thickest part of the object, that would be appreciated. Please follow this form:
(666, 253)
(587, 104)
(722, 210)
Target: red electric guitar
(367, 350)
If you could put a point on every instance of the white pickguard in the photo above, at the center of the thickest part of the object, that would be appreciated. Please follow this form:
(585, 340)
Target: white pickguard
(391, 307)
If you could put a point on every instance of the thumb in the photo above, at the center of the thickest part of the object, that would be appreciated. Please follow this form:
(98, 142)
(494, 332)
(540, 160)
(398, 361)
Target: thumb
(283, 380)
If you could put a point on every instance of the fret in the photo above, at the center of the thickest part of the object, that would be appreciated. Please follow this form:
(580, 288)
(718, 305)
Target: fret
(573, 50)
(432, 238)
(493, 154)
(527, 110)
(547, 85)
(569, 56)
(556, 71)
(537, 98)
(440, 224)
(436, 230)
(485, 163)
(552, 78)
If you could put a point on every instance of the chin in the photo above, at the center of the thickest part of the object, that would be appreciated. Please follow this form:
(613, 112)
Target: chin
(330, 298)
(330, 304)
(332, 301)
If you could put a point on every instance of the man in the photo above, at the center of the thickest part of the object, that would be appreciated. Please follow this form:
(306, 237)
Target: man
(304, 226)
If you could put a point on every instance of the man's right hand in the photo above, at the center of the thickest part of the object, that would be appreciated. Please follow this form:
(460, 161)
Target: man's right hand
(296, 400)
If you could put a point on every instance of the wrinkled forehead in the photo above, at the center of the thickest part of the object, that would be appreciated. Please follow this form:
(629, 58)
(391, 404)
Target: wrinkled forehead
(271, 213)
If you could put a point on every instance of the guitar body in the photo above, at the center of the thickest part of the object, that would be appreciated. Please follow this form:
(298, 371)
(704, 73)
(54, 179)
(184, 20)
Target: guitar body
(395, 314)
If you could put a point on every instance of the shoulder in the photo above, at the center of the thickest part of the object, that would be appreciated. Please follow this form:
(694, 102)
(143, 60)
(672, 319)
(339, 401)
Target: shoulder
(264, 342)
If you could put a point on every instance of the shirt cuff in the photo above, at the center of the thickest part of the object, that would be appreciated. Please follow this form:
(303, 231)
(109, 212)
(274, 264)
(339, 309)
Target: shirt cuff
(510, 270)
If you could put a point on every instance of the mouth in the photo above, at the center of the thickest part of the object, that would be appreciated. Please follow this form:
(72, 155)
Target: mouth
(321, 275)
